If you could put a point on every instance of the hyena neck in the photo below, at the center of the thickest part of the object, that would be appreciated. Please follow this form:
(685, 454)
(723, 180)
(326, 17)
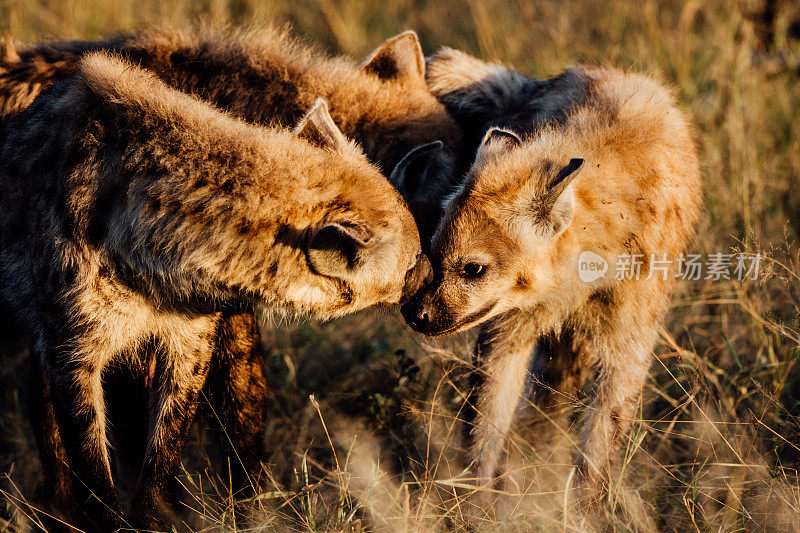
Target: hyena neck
(226, 234)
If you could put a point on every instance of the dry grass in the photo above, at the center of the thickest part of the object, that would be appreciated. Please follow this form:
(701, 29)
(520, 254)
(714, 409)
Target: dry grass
(717, 443)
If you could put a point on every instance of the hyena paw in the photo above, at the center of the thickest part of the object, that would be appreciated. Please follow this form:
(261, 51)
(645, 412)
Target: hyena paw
(590, 481)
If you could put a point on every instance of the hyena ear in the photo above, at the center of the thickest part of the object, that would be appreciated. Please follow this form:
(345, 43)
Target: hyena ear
(335, 248)
(554, 211)
(318, 128)
(497, 141)
(564, 178)
(412, 171)
(399, 58)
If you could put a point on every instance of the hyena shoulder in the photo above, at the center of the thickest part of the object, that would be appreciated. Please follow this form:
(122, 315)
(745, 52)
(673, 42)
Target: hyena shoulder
(633, 126)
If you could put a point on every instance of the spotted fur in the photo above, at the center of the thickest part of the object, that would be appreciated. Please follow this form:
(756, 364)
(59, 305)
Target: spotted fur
(266, 77)
(595, 160)
(135, 218)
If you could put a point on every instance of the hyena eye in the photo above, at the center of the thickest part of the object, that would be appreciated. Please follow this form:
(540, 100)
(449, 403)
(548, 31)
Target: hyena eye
(473, 270)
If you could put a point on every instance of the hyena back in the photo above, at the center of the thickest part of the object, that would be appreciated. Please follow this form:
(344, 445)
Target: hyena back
(614, 174)
(134, 217)
(266, 77)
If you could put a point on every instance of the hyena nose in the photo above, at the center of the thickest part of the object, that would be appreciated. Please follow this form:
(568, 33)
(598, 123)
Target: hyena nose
(421, 320)
(417, 316)
(415, 313)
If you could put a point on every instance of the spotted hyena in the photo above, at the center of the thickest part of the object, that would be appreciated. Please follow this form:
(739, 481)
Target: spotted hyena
(269, 78)
(133, 217)
(595, 163)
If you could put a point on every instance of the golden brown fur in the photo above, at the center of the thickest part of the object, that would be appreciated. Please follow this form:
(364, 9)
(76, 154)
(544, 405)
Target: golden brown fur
(267, 77)
(135, 220)
(618, 175)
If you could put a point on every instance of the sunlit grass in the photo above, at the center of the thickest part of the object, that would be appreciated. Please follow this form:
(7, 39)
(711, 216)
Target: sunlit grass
(717, 442)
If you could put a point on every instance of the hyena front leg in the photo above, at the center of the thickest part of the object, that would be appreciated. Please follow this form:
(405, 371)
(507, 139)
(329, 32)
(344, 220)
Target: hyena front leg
(74, 378)
(623, 363)
(237, 389)
(502, 355)
(180, 375)
(57, 486)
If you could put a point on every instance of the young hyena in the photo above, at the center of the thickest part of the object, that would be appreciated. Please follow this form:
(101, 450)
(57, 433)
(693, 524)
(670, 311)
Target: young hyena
(133, 216)
(613, 178)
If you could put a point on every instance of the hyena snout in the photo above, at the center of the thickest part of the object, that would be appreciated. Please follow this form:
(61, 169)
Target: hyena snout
(417, 277)
(422, 313)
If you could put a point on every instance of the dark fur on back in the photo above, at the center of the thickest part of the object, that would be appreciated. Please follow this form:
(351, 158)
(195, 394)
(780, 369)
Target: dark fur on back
(482, 95)
(266, 77)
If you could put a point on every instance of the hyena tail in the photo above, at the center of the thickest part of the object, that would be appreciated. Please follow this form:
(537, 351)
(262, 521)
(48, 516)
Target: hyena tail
(27, 71)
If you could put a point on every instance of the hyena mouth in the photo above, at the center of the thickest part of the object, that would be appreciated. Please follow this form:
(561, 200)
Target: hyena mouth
(465, 323)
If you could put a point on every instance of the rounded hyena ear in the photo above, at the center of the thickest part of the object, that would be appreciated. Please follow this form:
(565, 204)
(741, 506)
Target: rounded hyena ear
(553, 211)
(412, 171)
(399, 58)
(318, 128)
(497, 141)
(336, 248)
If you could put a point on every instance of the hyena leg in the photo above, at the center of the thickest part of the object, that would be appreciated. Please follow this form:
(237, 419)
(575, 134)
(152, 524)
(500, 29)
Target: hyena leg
(237, 389)
(77, 397)
(559, 369)
(180, 375)
(57, 486)
(622, 368)
(502, 356)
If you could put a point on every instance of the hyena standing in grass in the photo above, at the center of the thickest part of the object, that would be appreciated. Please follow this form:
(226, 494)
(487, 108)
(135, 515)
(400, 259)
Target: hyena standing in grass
(604, 163)
(132, 216)
(268, 78)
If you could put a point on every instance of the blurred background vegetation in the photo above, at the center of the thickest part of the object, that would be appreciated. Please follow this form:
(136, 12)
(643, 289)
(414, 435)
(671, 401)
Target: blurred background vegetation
(718, 443)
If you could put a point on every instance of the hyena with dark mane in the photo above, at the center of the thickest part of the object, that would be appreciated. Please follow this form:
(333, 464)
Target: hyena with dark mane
(599, 161)
(132, 216)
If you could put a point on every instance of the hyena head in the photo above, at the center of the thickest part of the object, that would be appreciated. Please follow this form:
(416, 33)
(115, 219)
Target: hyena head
(210, 206)
(422, 142)
(367, 248)
(494, 248)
